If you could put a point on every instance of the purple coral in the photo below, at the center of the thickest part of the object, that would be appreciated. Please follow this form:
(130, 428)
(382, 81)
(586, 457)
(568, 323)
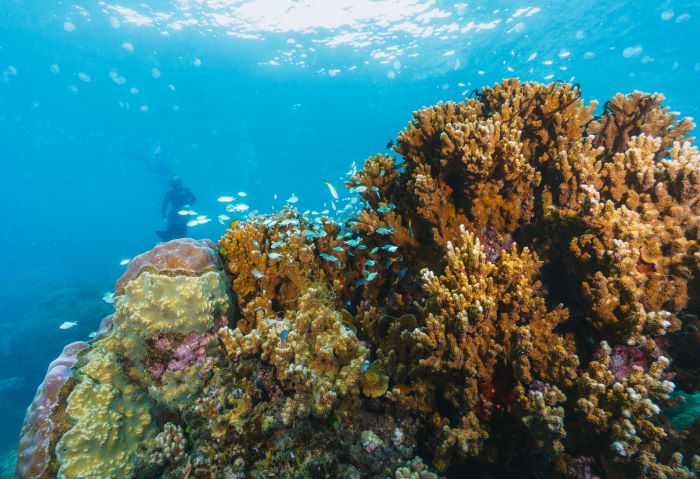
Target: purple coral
(623, 359)
(582, 469)
(33, 454)
(192, 350)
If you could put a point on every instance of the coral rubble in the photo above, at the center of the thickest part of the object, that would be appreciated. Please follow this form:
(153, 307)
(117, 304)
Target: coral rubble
(517, 297)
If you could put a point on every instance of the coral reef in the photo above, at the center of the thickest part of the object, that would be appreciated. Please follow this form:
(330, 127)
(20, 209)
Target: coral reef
(516, 296)
(106, 418)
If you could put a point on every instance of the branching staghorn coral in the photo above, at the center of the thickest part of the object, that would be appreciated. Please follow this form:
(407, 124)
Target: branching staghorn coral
(625, 116)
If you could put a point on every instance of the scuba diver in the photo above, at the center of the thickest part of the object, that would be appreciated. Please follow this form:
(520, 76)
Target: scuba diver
(177, 198)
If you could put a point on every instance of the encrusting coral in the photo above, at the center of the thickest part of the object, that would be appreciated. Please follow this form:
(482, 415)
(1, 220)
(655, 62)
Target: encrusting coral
(516, 296)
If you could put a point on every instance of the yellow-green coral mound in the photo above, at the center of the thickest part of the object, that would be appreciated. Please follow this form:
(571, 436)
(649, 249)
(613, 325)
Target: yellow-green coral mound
(107, 418)
(110, 407)
(151, 359)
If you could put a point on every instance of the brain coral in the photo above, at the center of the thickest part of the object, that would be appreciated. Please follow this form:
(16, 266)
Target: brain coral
(516, 297)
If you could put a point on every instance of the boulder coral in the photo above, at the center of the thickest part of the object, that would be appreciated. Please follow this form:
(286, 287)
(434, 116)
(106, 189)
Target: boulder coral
(106, 420)
(515, 294)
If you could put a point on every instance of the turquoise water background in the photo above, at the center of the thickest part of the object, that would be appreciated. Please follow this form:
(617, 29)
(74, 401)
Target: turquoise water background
(263, 97)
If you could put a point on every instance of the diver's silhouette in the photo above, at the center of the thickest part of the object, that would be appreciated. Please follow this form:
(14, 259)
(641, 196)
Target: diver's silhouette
(178, 198)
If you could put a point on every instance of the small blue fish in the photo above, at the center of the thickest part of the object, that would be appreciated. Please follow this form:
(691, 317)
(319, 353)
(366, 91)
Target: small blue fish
(384, 231)
(283, 335)
(370, 262)
(374, 188)
(374, 250)
(328, 257)
(277, 244)
(364, 366)
(383, 209)
(358, 189)
(338, 249)
(381, 172)
(353, 242)
(402, 273)
(390, 248)
(370, 276)
(361, 246)
(274, 256)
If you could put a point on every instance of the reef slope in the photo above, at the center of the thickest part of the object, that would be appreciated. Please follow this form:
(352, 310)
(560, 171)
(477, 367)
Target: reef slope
(517, 296)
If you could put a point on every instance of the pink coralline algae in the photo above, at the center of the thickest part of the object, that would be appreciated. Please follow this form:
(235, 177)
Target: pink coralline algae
(193, 349)
(190, 350)
(33, 455)
(582, 469)
(624, 358)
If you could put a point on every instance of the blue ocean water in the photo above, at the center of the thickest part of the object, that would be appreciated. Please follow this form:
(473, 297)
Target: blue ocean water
(101, 102)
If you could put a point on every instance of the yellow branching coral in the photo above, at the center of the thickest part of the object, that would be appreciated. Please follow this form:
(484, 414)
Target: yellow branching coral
(484, 315)
(626, 116)
(543, 416)
(271, 258)
(317, 360)
(626, 410)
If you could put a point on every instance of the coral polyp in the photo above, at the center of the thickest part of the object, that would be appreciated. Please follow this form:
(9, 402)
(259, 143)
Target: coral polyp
(516, 296)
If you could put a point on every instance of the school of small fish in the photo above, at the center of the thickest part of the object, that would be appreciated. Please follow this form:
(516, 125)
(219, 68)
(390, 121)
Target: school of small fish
(312, 227)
